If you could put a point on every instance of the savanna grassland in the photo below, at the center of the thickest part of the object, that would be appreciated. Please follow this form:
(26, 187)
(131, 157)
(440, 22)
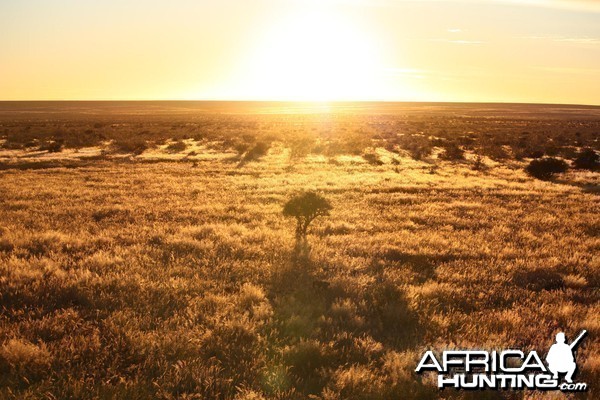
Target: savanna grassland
(144, 253)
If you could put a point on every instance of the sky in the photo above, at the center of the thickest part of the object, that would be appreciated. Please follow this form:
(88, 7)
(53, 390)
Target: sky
(541, 51)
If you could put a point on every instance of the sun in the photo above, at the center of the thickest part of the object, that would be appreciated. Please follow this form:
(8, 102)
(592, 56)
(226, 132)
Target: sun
(316, 55)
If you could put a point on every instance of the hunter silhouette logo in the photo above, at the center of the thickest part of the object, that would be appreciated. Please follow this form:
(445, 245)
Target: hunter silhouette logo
(507, 369)
(560, 357)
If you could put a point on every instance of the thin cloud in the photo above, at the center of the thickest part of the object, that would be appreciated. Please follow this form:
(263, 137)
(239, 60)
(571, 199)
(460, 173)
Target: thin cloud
(589, 41)
(592, 41)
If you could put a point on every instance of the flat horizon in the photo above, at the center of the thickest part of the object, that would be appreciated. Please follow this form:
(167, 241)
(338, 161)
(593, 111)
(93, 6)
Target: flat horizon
(302, 102)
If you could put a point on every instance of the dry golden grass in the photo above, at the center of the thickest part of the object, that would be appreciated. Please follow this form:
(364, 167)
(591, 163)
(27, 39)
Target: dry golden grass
(182, 279)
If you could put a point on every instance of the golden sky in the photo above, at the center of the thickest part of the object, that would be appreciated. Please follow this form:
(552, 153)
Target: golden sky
(508, 51)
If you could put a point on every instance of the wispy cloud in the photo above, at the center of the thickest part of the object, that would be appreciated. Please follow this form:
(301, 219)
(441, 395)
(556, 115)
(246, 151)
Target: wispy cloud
(593, 41)
(583, 40)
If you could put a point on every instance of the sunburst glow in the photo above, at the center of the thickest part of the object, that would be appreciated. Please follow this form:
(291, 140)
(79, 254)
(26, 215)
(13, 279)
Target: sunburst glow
(316, 55)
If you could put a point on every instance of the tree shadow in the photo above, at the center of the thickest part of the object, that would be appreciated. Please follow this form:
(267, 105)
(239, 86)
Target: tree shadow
(301, 253)
(299, 278)
(300, 298)
(320, 322)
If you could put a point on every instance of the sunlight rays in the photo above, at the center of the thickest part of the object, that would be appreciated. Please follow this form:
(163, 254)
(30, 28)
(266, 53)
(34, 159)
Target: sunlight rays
(316, 55)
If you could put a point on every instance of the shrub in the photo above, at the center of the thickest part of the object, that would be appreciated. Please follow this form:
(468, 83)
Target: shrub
(177, 147)
(587, 159)
(305, 208)
(301, 147)
(496, 152)
(452, 153)
(478, 163)
(55, 146)
(257, 151)
(135, 146)
(546, 168)
(418, 147)
(241, 147)
(372, 158)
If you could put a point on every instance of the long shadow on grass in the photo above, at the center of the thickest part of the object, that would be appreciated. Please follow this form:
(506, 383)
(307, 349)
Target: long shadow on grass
(300, 295)
(300, 298)
(321, 323)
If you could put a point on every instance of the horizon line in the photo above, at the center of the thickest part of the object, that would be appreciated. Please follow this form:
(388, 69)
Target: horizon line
(293, 101)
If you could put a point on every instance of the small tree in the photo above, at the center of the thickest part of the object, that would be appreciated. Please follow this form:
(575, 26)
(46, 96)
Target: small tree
(305, 207)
